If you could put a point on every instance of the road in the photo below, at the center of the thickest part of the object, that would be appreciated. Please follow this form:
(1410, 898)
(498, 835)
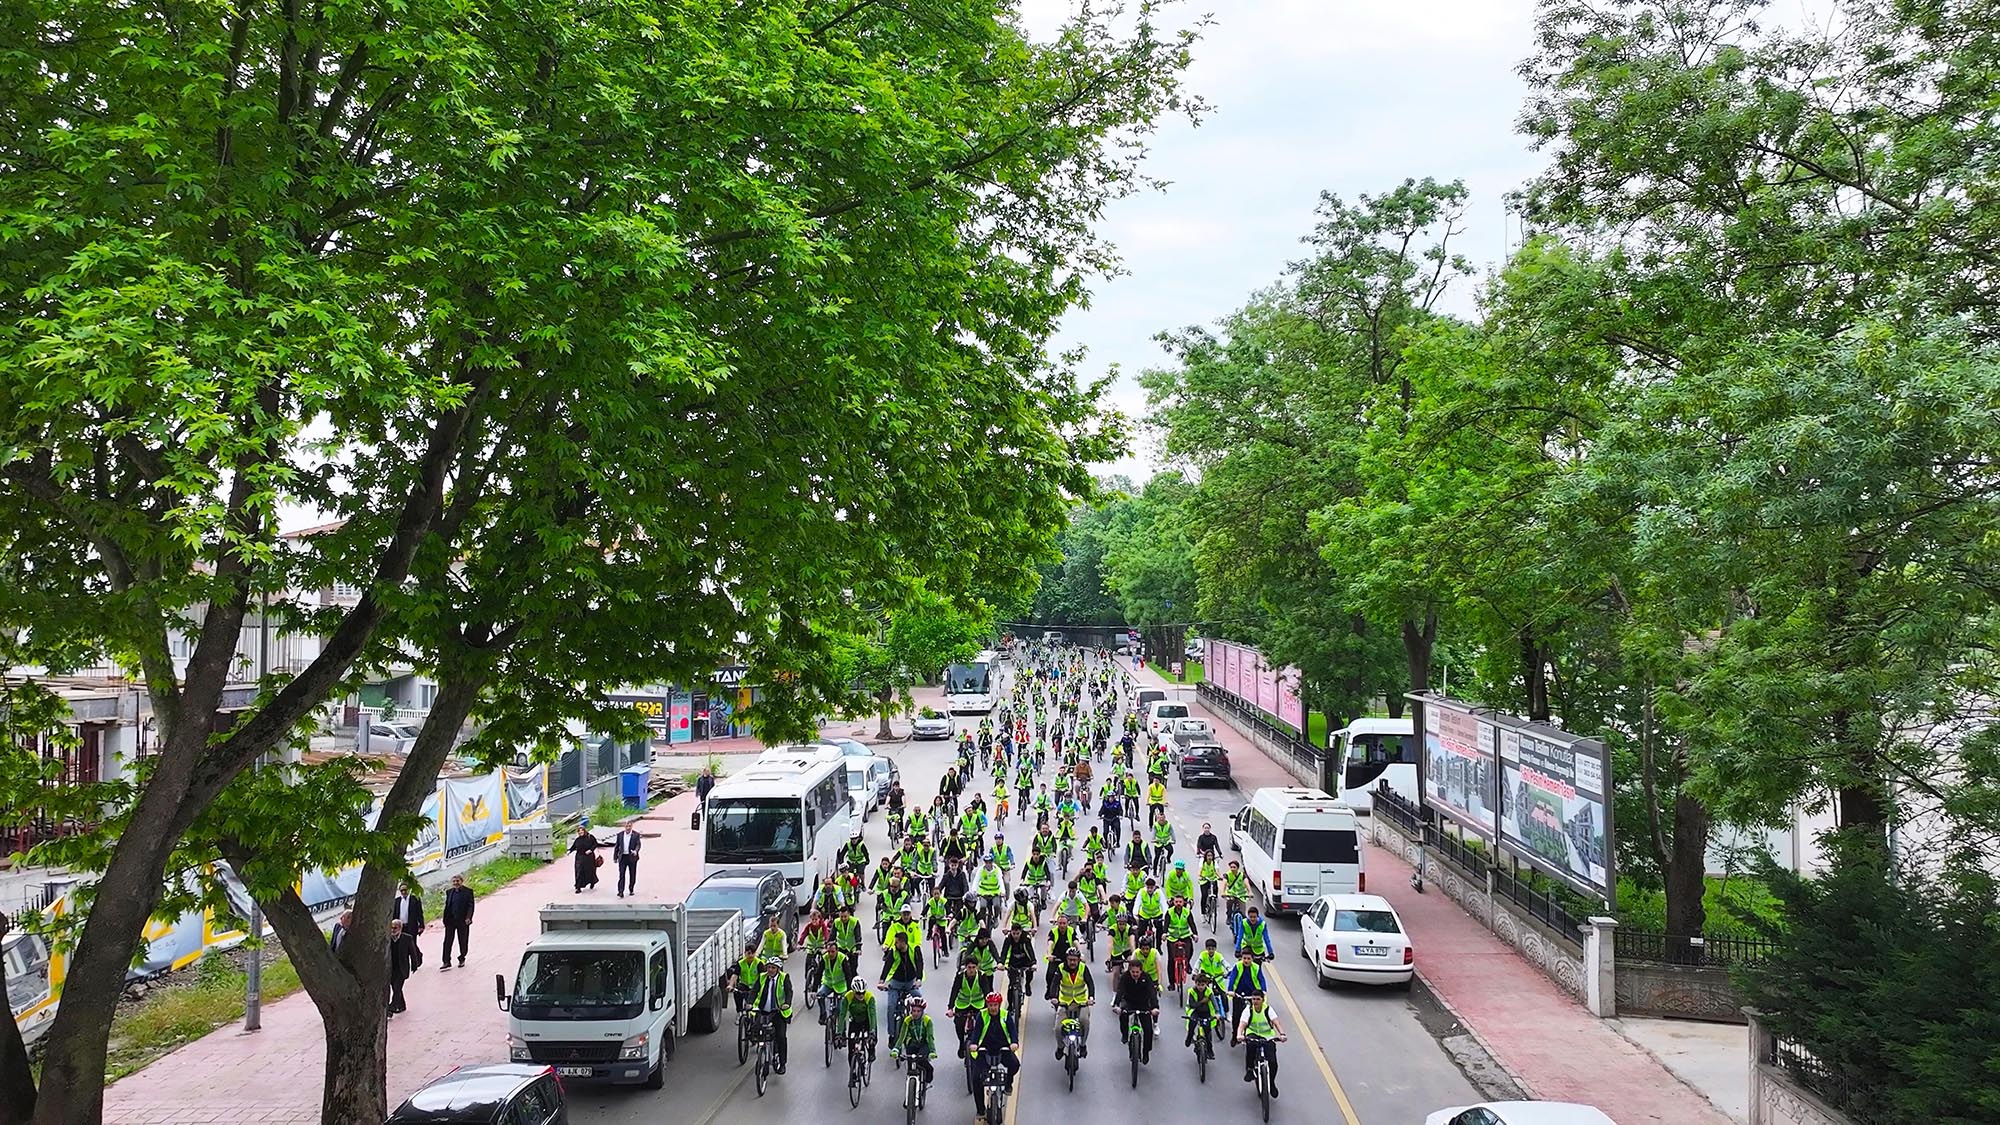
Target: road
(1357, 1056)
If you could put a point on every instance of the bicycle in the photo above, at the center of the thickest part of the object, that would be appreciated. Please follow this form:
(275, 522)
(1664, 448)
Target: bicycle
(1204, 1046)
(1017, 990)
(743, 1014)
(1261, 1074)
(1209, 899)
(1088, 931)
(940, 943)
(1063, 858)
(1072, 1040)
(761, 1036)
(858, 1065)
(1135, 1040)
(1234, 908)
(827, 1008)
(914, 1089)
(995, 1088)
(1177, 968)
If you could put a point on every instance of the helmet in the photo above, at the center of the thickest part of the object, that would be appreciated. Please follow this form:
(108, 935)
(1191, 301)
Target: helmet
(916, 1003)
(995, 998)
(1180, 865)
(777, 961)
(858, 984)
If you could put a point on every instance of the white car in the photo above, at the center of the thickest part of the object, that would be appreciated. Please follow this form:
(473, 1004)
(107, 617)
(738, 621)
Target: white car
(1158, 715)
(932, 726)
(1520, 1113)
(1357, 938)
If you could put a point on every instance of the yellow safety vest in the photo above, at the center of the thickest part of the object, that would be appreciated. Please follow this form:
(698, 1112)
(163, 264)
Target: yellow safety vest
(1072, 989)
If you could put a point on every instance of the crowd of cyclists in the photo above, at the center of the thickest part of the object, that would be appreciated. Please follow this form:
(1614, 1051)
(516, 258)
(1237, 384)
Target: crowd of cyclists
(955, 888)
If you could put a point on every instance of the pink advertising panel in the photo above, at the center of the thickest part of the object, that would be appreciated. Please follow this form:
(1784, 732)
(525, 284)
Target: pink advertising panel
(1267, 687)
(1290, 710)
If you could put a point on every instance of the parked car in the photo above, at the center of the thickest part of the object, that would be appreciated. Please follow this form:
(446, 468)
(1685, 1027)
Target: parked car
(1179, 733)
(1161, 713)
(932, 726)
(861, 787)
(1356, 938)
(391, 738)
(1520, 1113)
(1193, 651)
(488, 1094)
(855, 748)
(1204, 760)
(754, 891)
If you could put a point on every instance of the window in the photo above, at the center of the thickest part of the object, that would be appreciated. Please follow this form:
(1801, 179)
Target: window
(1321, 845)
(660, 971)
(1381, 749)
(1319, 914)
(968, 679)
(1365, 922)
(578, 985)
(1263, 833)
(756, 830)
(532, 1105)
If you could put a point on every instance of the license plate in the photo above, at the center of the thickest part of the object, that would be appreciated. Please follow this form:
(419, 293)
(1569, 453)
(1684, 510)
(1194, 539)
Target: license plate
(1371, 951)
(573, 1071)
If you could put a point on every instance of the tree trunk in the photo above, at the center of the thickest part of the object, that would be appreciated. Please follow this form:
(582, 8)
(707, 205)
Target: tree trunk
(17, 1078)
(886, 699)
(1686, 871)
(1535, 675)
(357, 1056)
(1418, 641)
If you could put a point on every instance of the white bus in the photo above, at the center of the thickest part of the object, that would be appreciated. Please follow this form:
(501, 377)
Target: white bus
(1297, 845)
(775, 814)
(971, 688)
(1373, 751)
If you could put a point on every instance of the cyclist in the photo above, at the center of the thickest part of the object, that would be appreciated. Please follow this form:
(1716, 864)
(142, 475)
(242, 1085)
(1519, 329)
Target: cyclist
(774, 996)
(916, 822)
(1118, 932)
(1210, 964)
(839, 966)
(1203, 1007)
(1110, 811)
(1035, 872)
(1206, 844)
(747, 972)
(1253, 935)
(991, 886)
(980, 946)
(1094, 845)
(1258, 1029)
(1044, 842)
(1211, 880)
(1021, 915)
(855, 855)
(857, 1012)
(1135, 880)
(816, 935)
(968, 995)
(1180, 935)
(827, 901)
(1137, 1000)
(847, 931)
(1156, 794)
(917, 1039)
(906, 925)
(1235, 890)
(923, 863)
(994, 1038)
(1163, 838)
(937, 911)
(1149, 909)
(1019, 957)
(1003, 855)
(1073, 903)
(1071, 985)
(1245, 981)
(1179, 884)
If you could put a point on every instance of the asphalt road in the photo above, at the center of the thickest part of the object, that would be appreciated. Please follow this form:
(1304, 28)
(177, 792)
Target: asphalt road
(1356, 1056)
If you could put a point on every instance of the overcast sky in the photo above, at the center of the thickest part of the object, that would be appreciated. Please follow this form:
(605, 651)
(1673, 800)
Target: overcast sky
(1348, 96)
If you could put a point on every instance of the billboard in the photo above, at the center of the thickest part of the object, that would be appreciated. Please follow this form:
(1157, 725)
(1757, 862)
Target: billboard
(1553, 810)
(475, 808)
(527, 793)
(680, 714)
(1459, 774)
(1291, 710)
(1267, 686)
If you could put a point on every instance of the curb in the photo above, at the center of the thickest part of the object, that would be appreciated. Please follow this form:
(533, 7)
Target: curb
(1527, 1090)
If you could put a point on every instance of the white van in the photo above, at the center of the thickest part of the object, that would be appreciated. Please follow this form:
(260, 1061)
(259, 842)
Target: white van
(1160, 714)
(1297, 845)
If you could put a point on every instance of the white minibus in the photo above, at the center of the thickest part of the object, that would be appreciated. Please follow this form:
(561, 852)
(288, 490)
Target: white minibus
(1297, 845)
(775, 815)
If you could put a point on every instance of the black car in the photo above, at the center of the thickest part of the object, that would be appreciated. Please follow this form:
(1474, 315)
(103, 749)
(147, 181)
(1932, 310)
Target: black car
(493, 1094)
(1204, 761)
(754, 891)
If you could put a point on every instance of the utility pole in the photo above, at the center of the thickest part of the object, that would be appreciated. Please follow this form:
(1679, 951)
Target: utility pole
(253, 988)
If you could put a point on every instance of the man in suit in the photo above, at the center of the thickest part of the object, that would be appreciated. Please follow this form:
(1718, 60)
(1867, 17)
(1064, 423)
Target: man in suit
(457, 921)
(402, 944)
(625, 849)
(340, 928)
(408, 909)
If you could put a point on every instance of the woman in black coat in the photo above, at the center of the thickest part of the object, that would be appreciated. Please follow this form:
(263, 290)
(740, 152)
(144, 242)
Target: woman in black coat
(584, 850)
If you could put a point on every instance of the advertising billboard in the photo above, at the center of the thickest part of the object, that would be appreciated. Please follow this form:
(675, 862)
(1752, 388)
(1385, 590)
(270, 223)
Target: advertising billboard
(1459, 773)
(1553, 811)
(1267, 686)
(680, 716)
(1291, 710)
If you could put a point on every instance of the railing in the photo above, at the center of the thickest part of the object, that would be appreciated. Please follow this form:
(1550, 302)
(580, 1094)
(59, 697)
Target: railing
(1810, 1072)
(1675, 949)
(1391, 806)
(1539, 905)
(1467, 859)
(1283, 737)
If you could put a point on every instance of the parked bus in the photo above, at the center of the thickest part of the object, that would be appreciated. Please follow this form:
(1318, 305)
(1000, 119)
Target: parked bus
(1373, 751)
(973, 687)
(791, 815)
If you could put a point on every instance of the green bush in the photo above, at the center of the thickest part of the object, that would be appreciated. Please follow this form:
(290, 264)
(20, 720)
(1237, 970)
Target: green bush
(1890, 982)
(1731, 903)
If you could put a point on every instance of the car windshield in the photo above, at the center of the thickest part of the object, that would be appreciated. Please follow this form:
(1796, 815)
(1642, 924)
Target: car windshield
(582, 984)
(1173, 711)
(1365, 922)
(730, 896)
(857, 778)
(755, 830)
(967, 679)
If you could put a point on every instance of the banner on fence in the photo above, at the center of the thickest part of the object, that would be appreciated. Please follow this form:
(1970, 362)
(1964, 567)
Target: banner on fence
(1553, 808)
(527, 793)
(1460, 773)
(1267, 686)
(1291, 709)
(474, 812)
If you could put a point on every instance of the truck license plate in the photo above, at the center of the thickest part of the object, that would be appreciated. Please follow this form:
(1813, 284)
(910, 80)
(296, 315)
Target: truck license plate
(573, 1071)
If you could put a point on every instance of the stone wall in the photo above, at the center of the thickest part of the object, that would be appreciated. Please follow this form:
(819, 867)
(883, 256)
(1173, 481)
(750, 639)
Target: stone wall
(1689, 992)
(1543, 948)
(1776, 1098)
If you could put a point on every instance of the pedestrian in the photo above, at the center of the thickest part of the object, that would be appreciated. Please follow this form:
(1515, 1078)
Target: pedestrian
(625, 849)
(402, 945)
(457, 921)
(703, 783)
(340, 927)
(408, 909)
(584, 849)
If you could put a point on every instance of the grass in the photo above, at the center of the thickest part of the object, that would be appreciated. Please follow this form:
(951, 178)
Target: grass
(177, 1013)
(1727, 903)
(1193, 668)
(500, 871)
(611, 810)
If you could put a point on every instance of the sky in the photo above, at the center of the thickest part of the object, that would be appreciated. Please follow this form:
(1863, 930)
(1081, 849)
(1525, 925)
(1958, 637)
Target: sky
(1347, 96)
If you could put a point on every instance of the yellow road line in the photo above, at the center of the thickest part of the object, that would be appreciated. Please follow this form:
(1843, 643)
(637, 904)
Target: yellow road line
(1304, 1032)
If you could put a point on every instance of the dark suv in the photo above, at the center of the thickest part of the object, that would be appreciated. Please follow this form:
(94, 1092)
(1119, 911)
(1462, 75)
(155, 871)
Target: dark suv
(1204, 761)
(493, 1094)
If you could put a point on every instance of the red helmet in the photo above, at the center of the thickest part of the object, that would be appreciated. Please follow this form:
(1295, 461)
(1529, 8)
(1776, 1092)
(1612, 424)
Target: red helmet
(995, 998)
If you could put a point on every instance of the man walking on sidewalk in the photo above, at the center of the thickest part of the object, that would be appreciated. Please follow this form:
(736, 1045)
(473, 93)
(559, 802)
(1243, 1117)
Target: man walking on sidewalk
(457, 921)
(402, 959)
(702, 785)
(409, 910)
(625, 849)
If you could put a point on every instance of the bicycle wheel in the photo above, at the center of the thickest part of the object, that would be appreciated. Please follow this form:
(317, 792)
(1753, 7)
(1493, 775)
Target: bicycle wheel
(1069, 1061)
(742, 1041)
(854, 1064)
(829, 1043)
(1134, 1039)
(1201, 1053)
(1264, 1090)
(763, 1068)
(912, 1090)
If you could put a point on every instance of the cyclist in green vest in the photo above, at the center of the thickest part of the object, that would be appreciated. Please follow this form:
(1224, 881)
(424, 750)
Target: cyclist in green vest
(1203, 1007)
(990, 888)
(994, 1037)
(1071, 986)
(857, 1012)
(1235, 891)
(1180, 934)
(747, 971)
(916, 1039)
(1179, 884)
(1253, 935)
(968, 995)
(1210, 963)
(1245, 981)
(1258, 1029)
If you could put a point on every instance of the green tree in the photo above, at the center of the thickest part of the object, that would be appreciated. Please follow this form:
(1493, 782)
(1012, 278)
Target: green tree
(1149, 562)
(353, 259)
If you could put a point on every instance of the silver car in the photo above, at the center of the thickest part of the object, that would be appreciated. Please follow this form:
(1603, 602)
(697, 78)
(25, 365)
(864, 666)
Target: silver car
(933, 726)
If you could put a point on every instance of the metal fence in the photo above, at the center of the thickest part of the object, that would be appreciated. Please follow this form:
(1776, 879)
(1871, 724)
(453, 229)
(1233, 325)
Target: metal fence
(1283, 737)
(1676, 949)
(1539, 905)
(1391, 806)
(1810, 1072)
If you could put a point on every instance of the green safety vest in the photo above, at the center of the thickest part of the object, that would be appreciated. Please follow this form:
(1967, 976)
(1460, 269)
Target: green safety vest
(1072, 989)
(1180, 923)
(1259, 1026)
(989, 880)
(1255, 936)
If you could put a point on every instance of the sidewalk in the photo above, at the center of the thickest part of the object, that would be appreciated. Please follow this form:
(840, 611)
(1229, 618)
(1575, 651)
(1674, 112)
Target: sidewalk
(1538, 1034)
